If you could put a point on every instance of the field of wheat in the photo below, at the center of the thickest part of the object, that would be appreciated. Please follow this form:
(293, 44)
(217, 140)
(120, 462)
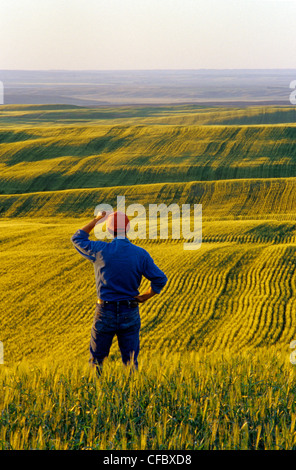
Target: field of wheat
(41, 155)
(214, 368)
(189, 401)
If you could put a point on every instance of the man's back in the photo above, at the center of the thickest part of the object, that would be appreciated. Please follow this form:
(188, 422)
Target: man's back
(119, 266)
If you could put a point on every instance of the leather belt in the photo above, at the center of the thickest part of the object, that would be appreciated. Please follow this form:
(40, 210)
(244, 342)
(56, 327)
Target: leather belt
(129, 303)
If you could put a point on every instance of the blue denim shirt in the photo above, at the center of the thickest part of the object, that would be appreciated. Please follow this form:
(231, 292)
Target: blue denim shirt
(119, 266)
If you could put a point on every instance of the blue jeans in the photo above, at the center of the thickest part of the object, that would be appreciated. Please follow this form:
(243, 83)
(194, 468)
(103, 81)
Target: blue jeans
(120, 320)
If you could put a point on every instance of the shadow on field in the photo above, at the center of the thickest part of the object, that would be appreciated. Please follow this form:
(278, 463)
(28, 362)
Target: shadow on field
(271, 231)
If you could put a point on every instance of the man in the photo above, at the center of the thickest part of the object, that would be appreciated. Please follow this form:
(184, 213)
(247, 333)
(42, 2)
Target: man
(119, 266)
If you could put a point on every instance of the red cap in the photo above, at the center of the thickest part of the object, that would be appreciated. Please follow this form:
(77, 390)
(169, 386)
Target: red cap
(119, 222)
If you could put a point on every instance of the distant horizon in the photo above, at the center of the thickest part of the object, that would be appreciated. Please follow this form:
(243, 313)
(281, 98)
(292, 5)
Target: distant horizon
(146, 86)
(145, 70)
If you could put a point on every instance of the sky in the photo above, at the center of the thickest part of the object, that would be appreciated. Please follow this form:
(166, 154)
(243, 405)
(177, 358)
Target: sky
(147, 34)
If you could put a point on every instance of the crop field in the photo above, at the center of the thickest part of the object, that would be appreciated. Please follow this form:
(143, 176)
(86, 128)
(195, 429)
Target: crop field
(176, 401)
(214, 368)
(46, 151)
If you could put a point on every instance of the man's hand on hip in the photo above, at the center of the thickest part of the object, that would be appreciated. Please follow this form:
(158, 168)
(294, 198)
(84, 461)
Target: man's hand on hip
(141, 298)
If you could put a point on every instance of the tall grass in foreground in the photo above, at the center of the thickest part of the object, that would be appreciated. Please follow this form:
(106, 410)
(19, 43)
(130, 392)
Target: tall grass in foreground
(174, 401)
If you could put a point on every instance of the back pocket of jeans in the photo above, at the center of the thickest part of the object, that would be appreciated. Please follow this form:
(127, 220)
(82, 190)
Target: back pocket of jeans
(104, 321)
(131, 319)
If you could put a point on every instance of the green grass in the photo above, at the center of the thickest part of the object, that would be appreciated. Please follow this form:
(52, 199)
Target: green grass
(191, 401)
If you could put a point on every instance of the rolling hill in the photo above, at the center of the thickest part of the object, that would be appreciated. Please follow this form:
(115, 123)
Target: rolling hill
(58, 162)
(46, 155)
(214, 359)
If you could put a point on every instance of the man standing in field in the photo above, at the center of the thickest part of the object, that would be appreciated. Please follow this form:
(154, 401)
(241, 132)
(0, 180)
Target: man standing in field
(119, 266)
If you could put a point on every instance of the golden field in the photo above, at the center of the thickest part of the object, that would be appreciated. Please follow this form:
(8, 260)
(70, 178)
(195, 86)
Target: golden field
(214, 369)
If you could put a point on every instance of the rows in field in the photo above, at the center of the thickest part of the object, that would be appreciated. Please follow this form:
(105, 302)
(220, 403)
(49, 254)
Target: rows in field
(224, 295)
(250, 115)
(87, 156)
(271, 199)
(188, 115)
(227, 297)
(257, 304)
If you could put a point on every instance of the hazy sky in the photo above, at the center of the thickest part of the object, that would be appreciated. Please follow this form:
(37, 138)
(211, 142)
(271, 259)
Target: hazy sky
(147, 34)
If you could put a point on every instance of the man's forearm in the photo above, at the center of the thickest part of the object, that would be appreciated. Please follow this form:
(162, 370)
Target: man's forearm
(147, 295)
(88, 227)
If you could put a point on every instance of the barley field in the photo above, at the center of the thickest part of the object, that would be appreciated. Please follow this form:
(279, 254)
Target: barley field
(214, 365)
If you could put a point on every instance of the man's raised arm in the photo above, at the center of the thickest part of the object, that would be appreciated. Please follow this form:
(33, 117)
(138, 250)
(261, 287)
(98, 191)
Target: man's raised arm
(81, 242)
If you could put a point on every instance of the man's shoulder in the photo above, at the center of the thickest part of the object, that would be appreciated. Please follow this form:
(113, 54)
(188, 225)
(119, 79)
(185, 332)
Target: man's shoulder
(139, 250)
(132, 248)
